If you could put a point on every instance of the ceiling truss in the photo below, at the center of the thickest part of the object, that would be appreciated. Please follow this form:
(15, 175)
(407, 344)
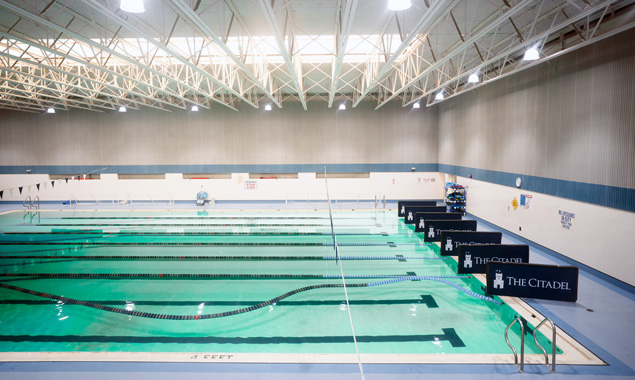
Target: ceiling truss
(90, 55)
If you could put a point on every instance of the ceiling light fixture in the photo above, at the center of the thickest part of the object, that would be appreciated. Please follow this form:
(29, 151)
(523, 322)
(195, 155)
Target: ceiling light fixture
(194, 108)
(342, 107)
(531, 54)
(122, 109)
(473, 78)
(268, 107)
(439, 96)
(416, 105)
(50, 110)
(399, 5)
(132, 6)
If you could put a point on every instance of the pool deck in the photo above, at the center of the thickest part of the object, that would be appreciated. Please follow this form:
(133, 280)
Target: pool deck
(603, 320)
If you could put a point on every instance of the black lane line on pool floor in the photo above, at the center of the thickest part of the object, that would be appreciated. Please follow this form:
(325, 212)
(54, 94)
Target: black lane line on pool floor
(449, 335)
(207, 243)
(205, 276)
(399, 258)
(181, 224)
(194, 233)
(426, 299)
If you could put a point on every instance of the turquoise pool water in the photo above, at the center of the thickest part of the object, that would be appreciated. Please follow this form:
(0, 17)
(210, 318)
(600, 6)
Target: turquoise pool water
(195, 264)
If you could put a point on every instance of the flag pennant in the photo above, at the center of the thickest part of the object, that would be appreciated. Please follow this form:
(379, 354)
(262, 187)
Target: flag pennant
(52, 183)
(20, 188)
(38, 186)
(66, 180)
(1, 193)
(11, 192)
(30, 186)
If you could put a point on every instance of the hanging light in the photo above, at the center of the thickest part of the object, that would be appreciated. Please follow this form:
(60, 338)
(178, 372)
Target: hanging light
(342, 107)
(416, 105)
(194, 108)
(132, 6)
(268, 107)
(122, 109)
(399, 5)
(439, 95)
(50, 110)
(473, 78)
(531, 54)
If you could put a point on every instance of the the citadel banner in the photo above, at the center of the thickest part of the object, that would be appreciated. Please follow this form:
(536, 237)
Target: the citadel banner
(420, 217)
(432, 228)
(411, 211)
(450, 240)
(401, 206)
(474, 258)
(550, 282)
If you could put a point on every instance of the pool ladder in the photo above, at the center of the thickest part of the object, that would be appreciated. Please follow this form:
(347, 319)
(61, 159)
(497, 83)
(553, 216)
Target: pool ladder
(29, 203)
(521, 369)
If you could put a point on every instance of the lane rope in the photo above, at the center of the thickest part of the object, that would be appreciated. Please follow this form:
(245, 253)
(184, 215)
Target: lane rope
(272, 301)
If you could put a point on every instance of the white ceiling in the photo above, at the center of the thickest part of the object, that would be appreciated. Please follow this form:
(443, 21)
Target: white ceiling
(89, 54)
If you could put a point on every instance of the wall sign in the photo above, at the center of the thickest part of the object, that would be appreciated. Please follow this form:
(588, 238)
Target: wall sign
(421, 217)
(401, 211)
(549, 282)
(432, 227)
(567, 219)
(409, 216)
(251, 185)
(474, 258)
(450, 240)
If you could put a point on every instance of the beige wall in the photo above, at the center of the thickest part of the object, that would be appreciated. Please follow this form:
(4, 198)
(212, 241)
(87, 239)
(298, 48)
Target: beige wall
(572, 118)
(221, 136)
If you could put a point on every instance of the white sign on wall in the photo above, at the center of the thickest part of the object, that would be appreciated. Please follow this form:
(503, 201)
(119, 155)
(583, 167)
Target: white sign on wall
(251, 185)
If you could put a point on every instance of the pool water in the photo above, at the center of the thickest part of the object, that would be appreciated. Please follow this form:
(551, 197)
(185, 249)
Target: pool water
(233, 260)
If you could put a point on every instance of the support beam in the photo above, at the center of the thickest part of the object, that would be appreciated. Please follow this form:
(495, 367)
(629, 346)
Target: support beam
(436, 12)
(207, 33)
(171, 52)
(88, 42)
(467, 43)
(554, 31)
(270, 16)
(343, 25)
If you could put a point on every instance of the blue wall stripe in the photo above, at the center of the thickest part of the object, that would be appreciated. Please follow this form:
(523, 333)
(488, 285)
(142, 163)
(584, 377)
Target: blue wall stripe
(214, 169)
(609, 196)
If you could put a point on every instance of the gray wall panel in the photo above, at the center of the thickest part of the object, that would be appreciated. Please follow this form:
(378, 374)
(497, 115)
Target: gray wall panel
(570, 119)
(221, 136)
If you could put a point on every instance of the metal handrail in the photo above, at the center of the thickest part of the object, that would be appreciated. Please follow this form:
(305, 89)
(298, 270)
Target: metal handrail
(28, 205)
(522, 344)
(553, 343)
(37, 198)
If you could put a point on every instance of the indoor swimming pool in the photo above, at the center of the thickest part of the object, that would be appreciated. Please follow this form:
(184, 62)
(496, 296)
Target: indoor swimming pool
(246, 286)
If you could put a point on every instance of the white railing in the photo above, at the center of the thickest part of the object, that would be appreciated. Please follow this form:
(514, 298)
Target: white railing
(336, 198)
(122, 198)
